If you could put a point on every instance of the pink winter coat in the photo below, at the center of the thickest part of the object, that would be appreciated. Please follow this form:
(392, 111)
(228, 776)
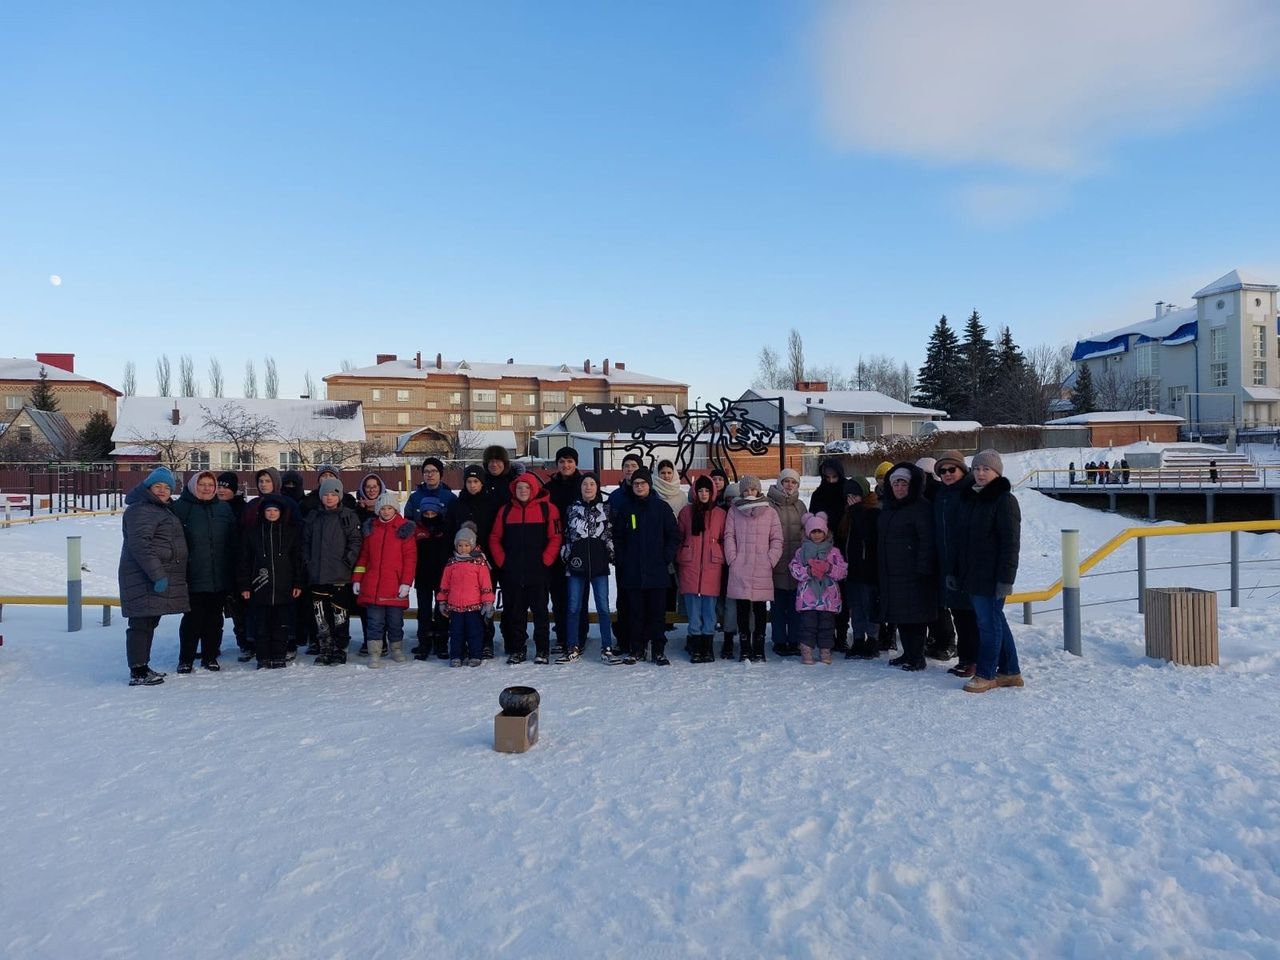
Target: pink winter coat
(807, 596)
(700, 558)
(752, 545)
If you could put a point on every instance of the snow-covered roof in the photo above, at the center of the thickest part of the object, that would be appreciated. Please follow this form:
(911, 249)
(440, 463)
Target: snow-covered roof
(950, 426)
(1263, 393)
(1235, 280)
(141, 418)
(408, 369)
(1173, 328)
(1116, 416)
(22, 368)
(797, 402)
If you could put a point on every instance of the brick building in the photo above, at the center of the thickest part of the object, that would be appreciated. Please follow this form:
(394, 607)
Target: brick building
(78, 397)
(402, 395)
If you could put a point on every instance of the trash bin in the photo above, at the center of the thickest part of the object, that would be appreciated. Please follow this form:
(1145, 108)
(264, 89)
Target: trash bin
(1182, 625)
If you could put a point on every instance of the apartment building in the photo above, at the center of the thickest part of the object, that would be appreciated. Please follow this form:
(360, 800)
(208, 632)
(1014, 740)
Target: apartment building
(453, 396)
(1217, 362)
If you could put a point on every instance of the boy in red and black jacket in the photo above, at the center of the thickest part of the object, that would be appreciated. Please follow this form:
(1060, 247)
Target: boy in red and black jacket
(524, 543)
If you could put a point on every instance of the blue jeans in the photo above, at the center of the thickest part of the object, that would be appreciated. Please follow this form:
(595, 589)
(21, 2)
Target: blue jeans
(702, 614)
(578, 603)
(466, 631)
(785, 617)
(385, 622)
(996, 652)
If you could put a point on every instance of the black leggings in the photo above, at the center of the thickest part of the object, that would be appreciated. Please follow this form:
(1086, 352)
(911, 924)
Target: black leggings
(748, 609)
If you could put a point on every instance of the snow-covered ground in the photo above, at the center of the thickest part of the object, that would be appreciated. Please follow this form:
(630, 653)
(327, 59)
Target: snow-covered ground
(1115, 807)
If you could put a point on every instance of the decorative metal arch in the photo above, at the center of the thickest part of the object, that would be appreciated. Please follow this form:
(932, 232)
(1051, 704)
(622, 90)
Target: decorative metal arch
(727, 427)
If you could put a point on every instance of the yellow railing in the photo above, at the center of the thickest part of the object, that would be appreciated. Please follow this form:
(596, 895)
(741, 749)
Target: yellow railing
(13, 521)
(1135, 533)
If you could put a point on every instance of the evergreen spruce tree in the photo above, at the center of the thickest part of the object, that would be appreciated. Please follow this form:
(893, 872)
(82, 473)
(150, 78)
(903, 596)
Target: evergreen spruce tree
(42, 397)
(94, 441)
(938, 381)
(1083, 399)
(977, 371)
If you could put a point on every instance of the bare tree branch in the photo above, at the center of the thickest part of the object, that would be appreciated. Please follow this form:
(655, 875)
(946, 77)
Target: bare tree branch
(164, 376)
(215, 377)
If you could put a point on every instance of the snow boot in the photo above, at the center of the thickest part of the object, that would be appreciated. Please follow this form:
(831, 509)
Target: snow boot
(726, 648)
(1009, 680)
(842, 643)
(806, 654)
(397, 652)
(757, 646)
(825, 655)
(375, 653)
(887, 637)
(144, 677)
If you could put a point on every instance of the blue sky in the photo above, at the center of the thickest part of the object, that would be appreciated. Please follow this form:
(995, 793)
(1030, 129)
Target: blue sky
(672, 185)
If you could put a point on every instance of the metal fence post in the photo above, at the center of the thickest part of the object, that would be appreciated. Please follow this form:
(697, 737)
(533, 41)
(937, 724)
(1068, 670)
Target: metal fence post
(74, 592)
(1071, 591)
(1235, 568)
(1026, 612)
(1142, 574)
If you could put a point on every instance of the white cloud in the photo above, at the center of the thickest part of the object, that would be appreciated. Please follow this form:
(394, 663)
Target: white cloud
(1030, 85)
(1005, 203)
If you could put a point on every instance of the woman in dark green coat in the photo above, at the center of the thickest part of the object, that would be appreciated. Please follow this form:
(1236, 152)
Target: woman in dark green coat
(210, 529)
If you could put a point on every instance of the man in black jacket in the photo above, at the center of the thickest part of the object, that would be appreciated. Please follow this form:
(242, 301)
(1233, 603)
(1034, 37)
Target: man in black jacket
(645, 541)
(563, 488)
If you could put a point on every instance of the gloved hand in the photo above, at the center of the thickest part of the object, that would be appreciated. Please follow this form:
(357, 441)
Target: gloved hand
(355, 588)
(405, 531)
(1004, 589)
(819, 568)
(442, 608)
(161, 585)
(486, 609)
(953, 583)
(403, 592)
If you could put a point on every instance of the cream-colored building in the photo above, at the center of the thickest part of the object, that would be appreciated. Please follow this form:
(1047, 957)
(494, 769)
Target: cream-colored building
(78, 397)
(204, 433)
(402, 395)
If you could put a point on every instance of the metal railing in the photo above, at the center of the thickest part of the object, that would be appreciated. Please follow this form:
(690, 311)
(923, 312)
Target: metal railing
(1229, 476)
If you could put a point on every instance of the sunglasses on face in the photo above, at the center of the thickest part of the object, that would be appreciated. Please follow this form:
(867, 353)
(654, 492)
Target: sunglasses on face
(949, 470)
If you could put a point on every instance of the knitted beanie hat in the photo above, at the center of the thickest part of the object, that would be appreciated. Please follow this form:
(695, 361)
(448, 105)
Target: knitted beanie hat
(466, 534)
(330, 485)
(881, 470)
(388, 498)
(989, 458)
(815, 521)
(788, 474)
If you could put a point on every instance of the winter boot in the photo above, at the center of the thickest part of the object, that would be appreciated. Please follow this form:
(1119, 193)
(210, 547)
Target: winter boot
(806, 654)
(757, 646)
(842, 643)
(397, 653)
(726, 648)
(375, 653)
(825, 655)
(888, 637)
(708, 651)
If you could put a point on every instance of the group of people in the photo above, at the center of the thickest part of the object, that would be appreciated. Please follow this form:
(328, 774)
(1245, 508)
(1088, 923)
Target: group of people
(1101, 472)
(927, 555)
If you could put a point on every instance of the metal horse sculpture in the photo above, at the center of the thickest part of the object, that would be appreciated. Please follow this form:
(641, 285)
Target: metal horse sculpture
(726, 428)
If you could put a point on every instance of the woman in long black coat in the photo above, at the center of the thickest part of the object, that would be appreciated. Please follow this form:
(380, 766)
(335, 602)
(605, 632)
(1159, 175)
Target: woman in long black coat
(153, 570)
(905, 553)
(986, 566)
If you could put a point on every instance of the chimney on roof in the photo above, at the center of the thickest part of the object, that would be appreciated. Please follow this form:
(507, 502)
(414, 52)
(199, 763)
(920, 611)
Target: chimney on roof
(417, 360)
(817, 386)
(63, 361)
(511, 359)
(439, 362)
(175, 416)
(605, 366)
(620, 365)
(586, 366)
(385, 357)
(1159, 309)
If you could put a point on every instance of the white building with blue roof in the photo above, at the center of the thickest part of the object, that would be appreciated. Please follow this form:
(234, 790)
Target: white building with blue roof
(1216, 362)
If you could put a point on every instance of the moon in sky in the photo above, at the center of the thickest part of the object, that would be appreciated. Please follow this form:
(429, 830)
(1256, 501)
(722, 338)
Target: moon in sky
(55, 280)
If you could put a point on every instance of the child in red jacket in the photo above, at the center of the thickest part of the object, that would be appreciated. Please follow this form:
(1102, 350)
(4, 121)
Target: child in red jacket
(466, 597)
(383, 574)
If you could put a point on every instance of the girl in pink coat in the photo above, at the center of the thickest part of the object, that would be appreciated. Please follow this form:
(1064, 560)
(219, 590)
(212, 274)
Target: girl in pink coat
(752, 545)
(818, 568)
(700, 566)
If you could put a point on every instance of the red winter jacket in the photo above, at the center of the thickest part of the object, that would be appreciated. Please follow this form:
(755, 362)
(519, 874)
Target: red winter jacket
(466, 583)
(700, 558)
(386, 563)
(525, 540)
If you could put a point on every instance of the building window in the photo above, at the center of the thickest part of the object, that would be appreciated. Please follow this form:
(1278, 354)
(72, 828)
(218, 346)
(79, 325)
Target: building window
(1149, 394)
(531, 400)
(230, 461)
(1259, 373)
(1218, 355)
(484, 396)
(431, 404)
(649, 399)
(552, 396)
(506, 399)
(852, 430)
(577, 399)
(375, 417)
(402, 418)
(456, 397)
(377, 395)
(1176, 394)
(198, 459)
(13, 403)
(531, 420)
(485, 421)
(290, 460)
(549, 418)
(402, 396)
(1259, 342)
(24, 433)
(508, 420)
(1147, 359)
(455, 419)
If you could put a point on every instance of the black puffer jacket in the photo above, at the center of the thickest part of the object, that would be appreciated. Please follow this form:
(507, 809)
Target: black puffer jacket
(908, 564)
(990, 536)
(829, 497)
(645, 540)
(154, 548)
(270, 563)
(588, 539)
(860, 543)
(210, 529)
(947, 509)
(331, 545)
